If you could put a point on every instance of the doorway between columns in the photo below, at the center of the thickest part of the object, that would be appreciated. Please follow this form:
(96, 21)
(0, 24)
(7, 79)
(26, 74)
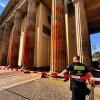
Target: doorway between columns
(43, 38)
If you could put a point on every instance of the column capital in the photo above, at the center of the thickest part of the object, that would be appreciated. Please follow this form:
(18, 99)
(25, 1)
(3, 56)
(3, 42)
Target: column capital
(74, 1)
(18, 14)
(37, 1)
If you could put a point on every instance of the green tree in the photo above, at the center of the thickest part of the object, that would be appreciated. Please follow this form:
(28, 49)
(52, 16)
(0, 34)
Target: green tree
(96, 55)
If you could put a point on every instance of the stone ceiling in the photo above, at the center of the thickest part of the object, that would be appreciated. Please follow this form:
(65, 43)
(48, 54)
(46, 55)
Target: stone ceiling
(92, 10)
(93, 13)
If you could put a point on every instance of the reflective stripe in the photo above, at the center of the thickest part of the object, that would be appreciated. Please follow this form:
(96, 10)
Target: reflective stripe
(79, 67)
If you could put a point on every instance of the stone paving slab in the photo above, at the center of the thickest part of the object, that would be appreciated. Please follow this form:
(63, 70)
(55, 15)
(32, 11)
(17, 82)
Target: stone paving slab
(11, 80)
(24, 87)
(97, 92)
(42, 89)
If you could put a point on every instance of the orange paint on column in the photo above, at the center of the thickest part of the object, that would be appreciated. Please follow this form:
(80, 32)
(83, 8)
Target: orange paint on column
(58, 43)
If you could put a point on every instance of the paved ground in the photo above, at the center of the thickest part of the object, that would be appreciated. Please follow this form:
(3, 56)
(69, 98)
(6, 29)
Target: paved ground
(42, 89)
(10, 79)
(20, 86)
(97, 88)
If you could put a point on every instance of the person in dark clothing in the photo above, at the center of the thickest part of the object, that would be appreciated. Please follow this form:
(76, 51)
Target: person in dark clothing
(78, 86)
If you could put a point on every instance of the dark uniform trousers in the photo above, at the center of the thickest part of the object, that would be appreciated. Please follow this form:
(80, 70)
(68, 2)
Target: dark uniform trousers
(78, 94)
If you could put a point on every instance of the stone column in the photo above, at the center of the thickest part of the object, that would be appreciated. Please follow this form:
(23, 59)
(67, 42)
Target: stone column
(58, 40)
(70, 31)
(5, 44)
(15, 40)
(1, 38)
(82, 34)
(29, 38)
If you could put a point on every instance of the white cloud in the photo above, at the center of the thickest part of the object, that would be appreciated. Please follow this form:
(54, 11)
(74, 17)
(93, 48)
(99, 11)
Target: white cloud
(3, 5)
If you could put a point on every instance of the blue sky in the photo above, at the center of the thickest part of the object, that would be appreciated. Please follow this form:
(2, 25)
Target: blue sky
(95, 38)
(3, 3)
(95, 41)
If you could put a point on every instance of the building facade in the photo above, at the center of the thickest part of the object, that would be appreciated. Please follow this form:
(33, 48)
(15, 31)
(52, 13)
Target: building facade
(45, 34)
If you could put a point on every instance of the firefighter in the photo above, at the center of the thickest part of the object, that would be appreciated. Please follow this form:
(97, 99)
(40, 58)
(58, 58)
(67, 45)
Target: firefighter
(78, 86)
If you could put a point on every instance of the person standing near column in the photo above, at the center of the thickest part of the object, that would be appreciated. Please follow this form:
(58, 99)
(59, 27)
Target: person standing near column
(78, 86)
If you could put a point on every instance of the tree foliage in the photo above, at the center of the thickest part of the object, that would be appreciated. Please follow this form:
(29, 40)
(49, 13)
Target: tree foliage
(96, 54)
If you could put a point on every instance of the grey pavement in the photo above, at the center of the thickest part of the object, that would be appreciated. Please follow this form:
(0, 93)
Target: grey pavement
(42, 89)
(32, 87)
